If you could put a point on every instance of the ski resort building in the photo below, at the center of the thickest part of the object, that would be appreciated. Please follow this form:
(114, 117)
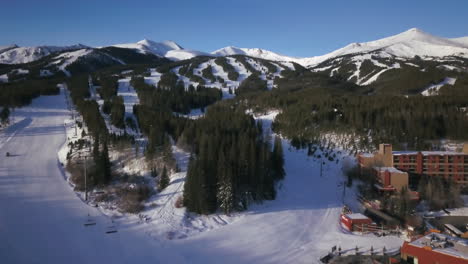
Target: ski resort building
(389, 178)
(448, 164)
(435, 248)
(355, 222)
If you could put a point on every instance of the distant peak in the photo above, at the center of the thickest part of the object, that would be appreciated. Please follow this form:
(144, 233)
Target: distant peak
(168, 43)
(414, 30)
(146, 42)
(172, 44)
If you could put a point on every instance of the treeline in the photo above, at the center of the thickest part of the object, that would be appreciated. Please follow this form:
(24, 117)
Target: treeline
(440, 193)
(313, 105)
(232, 165)
(99, 168)
(404, 122)
(233, 75)
(253, 83)
(89, 109)
(175, 98)
(17, 94)
(113, 105)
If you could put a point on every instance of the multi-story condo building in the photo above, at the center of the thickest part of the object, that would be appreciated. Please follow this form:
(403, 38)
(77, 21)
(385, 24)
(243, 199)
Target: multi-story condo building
(448, 164)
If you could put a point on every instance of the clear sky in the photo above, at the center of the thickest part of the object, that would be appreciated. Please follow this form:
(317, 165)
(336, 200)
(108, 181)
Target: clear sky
(290, 27)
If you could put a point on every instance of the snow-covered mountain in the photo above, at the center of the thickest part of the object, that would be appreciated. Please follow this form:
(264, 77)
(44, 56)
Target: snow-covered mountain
(168, 49)
(413, 42)
(361, 63)
(257, 53)
(16, 55)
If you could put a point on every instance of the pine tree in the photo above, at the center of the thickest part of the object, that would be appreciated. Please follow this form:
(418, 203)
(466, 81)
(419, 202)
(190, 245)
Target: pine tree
(154, 173)
(225, 192)
(278, 160)
(4, 115)
(164, 180)
(225, 195)
(106, 165)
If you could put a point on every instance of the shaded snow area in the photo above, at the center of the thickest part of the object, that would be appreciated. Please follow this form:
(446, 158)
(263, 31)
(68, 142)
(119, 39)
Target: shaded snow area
(154, 77)
(20, 71)
(433, 89)
(194, 114)
(45, 73)
(462, 211)
(4, 78)
(45, 219)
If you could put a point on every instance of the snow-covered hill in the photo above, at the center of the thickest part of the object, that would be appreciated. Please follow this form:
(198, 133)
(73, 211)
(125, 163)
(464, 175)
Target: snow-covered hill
(16, 55)
(257, 53)
(194, 72)
(168, 49)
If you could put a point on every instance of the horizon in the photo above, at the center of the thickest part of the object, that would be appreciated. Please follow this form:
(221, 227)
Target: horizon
(289, 30)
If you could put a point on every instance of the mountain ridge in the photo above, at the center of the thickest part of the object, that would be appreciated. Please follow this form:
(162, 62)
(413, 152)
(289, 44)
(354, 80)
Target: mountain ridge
(407, 44)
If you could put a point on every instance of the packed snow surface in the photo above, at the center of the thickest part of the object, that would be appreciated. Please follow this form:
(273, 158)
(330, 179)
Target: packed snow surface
(4, 78)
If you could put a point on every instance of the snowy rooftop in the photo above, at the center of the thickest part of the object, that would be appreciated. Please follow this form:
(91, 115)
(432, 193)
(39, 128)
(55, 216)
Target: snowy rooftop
(428, 153)
(366, 155)
(389, 169)
(444, 244)
(356, 216)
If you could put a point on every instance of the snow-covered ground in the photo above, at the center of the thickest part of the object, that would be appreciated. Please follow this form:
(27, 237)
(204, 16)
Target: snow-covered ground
(433, 89)
(4, 78)
(44, 218)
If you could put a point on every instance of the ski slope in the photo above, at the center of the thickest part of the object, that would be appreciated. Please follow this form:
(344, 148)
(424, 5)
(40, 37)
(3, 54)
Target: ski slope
(41, 219)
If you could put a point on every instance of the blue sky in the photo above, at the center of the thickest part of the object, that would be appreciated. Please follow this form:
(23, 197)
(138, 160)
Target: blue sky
(290, 27)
